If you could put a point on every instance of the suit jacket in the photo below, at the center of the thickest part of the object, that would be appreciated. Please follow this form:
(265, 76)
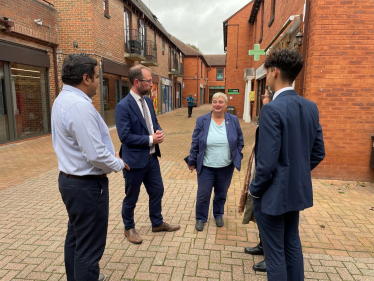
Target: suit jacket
(289, 144)
(200, 136)
(133, 133)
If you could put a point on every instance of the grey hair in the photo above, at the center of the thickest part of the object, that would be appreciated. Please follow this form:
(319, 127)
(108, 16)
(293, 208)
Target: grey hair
(135, 72)
(219, 94)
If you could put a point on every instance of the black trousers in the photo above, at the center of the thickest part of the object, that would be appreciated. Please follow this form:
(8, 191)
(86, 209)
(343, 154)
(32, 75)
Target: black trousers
(87, 204)
(190, 110)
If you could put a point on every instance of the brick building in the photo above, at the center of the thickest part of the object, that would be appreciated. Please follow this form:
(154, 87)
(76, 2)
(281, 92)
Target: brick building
(216, 74)
(36, 36)
(195, 75)
(336, 40)
(28, 57)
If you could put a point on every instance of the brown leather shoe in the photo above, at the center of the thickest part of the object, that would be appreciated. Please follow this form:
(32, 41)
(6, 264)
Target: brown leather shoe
(166, 227)
(133, 236)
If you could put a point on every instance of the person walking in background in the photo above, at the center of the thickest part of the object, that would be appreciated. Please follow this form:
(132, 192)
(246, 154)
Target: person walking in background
(85, 155)
(190, 101)
(247, 202)
(140, 135)
(289, 146)
(216, 149)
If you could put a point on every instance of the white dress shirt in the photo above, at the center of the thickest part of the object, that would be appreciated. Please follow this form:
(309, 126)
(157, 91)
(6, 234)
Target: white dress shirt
(137, 99)
(277, 93)
(80, 136)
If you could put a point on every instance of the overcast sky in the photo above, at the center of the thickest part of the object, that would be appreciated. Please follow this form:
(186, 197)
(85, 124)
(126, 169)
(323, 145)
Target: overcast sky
(198, 22)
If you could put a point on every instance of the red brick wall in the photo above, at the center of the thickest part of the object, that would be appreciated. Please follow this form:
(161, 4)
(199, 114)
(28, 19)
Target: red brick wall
(339, 79)
(27, 33)
(237, 59)
(192, 79)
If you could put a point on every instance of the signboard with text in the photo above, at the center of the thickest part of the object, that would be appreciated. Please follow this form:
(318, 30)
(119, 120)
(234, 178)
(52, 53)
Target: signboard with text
(233, 92)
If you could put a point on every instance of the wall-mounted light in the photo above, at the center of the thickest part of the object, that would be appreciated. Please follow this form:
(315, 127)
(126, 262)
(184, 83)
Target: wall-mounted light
(75, 44)
(299, 38)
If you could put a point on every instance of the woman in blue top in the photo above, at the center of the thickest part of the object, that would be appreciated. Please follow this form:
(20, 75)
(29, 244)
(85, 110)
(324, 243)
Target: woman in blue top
(217, 142)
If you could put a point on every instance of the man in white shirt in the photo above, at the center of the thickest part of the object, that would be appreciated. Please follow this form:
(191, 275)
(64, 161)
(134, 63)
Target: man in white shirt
(85, 155)
(140, 135)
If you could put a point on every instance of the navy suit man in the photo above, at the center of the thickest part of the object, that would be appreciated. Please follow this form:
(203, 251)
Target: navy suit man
(140, 135)
(289, 146)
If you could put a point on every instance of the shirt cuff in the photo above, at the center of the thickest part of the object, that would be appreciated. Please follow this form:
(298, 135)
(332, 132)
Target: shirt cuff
(252, 195)
(150, 140)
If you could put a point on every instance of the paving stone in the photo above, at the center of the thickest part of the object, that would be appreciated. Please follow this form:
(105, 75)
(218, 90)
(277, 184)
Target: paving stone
(337, 233)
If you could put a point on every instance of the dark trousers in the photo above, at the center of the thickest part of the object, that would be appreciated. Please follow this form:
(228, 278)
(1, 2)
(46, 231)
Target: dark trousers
(281, 243)
(150, 175)
(220, 179)
(190, 110)
(87, 204)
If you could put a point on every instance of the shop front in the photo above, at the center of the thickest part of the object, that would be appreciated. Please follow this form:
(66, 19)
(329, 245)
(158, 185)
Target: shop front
(24, 93)
(167, 95)
(215, 89)
(115, 86)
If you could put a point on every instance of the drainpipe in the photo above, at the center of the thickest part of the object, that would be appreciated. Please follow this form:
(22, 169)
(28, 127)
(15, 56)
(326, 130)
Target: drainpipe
(197, 81)
(305, 42)
(101, 92)
(55, 70)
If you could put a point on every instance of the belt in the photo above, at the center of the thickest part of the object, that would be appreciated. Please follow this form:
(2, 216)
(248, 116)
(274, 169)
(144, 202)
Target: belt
(84, 177)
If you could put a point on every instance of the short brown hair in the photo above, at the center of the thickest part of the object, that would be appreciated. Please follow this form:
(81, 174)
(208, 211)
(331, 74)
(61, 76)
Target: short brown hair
(136, 72)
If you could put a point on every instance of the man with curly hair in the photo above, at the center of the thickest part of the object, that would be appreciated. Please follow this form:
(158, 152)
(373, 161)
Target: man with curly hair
(289, 146)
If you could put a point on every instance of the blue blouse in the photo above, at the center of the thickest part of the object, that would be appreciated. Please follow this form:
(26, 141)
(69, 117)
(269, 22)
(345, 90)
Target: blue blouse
(217, 151)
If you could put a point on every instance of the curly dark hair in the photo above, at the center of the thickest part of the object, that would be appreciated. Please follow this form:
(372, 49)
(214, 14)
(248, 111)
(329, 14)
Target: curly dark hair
(289, 62)
(75, 66)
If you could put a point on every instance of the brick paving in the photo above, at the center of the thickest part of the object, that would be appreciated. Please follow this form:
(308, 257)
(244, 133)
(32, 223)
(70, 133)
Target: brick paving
(337, 233)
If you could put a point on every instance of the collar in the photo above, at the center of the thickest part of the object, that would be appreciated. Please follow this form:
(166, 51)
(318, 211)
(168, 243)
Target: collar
(281, 91)
(135, 96)
(76, 91)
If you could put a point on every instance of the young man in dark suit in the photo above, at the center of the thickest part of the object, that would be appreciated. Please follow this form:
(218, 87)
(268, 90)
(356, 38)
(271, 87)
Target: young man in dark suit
(289, 146)
(140, 135)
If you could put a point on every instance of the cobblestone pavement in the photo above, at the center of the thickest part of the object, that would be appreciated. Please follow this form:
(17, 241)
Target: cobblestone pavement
(337, 233)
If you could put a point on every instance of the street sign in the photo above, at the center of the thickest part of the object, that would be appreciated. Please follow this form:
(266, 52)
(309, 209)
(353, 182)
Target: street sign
(256, 52)
(233, 92)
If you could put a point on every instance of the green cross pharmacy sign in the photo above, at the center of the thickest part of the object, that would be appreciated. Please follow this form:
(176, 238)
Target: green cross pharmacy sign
(256, 52)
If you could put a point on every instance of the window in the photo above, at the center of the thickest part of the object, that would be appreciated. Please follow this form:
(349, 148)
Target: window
(219, 74)
(201, 69)
(262, 23)
(272, 13)
(154, 38)
(106, 8)
(163, 46)
(169, 58)
(126, 17)
(142, 34)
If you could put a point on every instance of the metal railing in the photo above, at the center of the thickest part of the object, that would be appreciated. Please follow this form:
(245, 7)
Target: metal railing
(150, 51)
(174, 65)
(134, 42)
(180, 69)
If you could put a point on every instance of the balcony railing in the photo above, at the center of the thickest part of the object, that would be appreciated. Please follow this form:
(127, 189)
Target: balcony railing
(180, 70)
(150, 51)
(134, 42)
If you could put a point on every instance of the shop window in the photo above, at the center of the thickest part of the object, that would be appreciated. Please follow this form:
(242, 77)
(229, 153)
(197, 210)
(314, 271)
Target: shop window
(219, 74)
(272, 13)
(31, 106)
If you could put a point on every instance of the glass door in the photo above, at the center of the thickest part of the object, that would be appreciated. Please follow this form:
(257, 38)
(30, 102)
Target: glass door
(4, 130)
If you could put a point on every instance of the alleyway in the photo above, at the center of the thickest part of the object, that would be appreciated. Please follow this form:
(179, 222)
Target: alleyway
(337, 233)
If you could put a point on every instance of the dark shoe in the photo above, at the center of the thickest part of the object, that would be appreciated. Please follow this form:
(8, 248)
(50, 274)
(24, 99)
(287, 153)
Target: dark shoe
(165, 227)
(219, 222)
(199, 225)
(258, 250)
(260, 266)
(133, 236)
(102, 277)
